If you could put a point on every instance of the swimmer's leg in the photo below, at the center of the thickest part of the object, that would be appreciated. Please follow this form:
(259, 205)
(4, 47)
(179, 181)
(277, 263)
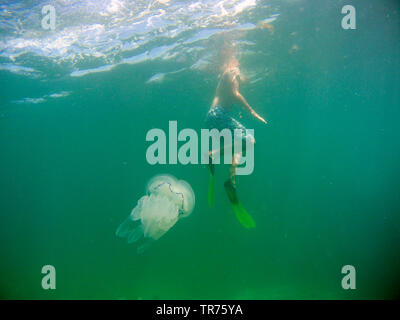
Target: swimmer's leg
(211, 169)
(232, 169)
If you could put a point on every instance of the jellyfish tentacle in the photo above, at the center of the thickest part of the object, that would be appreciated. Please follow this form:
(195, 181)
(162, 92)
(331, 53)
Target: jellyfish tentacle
(136, 212)
(144, 246)
(158, 216)
(135, 234)
(125, 227)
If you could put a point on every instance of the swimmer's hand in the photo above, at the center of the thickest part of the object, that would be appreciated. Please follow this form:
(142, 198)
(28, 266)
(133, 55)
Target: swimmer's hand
(256, 115)
(242, 101)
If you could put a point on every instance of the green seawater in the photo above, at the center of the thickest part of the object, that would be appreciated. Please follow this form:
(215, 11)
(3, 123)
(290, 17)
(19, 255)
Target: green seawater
(324, 192)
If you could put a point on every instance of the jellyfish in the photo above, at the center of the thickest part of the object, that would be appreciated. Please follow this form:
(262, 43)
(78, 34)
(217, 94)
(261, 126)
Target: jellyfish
(167, 200)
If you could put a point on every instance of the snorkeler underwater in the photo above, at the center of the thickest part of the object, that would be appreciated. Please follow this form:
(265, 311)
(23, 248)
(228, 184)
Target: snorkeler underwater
(200, 150)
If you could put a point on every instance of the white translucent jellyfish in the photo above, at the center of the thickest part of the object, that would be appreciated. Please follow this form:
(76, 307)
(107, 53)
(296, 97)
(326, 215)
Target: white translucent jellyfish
(168, 199)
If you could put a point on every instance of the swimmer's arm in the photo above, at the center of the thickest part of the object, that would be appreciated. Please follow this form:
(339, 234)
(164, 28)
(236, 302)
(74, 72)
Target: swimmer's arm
(242, 101)
(215, 101)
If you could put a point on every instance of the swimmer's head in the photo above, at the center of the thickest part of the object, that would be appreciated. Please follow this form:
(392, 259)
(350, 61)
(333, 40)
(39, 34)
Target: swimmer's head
(235, 73)
(231, 65)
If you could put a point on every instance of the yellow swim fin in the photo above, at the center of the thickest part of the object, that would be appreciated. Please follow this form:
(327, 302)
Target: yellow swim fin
(241, 214)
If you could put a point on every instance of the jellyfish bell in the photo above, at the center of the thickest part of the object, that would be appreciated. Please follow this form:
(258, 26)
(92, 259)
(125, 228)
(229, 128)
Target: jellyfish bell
(178, 191)
(167, 200)
(186, 190)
